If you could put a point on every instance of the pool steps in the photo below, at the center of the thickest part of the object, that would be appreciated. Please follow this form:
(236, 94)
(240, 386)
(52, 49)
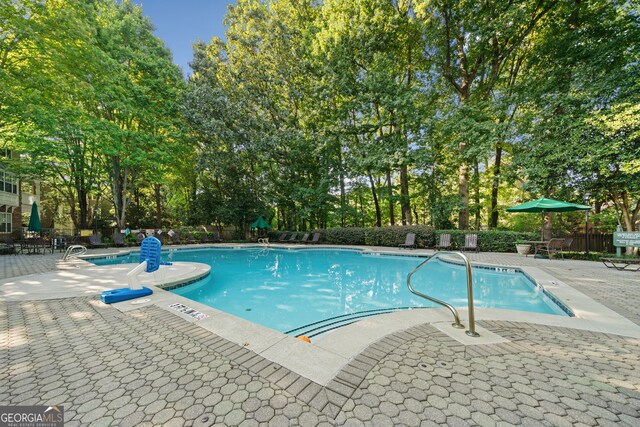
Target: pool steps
(326, 325)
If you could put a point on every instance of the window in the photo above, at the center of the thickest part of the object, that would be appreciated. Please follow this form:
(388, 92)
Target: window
(5, 222)
(8, 182)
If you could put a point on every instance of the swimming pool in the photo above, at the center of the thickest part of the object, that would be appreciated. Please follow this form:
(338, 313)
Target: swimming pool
(290, 289)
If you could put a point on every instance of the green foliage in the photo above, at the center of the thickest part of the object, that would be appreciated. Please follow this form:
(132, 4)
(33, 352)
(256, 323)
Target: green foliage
(490, 240)
(341, 113)
(377, 236)
(394, 236)
(344, 236)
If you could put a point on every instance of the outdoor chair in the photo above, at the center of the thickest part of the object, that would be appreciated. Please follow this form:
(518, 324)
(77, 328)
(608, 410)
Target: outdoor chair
(190, 238)
(139, 238)
(470, 242)
(444, 241)
(316, 238)
(566, 245)
(175, 238)
(204, 238)
(40, 246)
(95, 241)
(409, 242)
(160, 236)
(553, 246)
(305, 238)
(9, 247)
(282, 238)
(118, 240)
(215, 237)
(632, 264)
(293, 238)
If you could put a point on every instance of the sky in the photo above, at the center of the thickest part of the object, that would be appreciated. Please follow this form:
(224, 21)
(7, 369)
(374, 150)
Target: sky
(182, 22)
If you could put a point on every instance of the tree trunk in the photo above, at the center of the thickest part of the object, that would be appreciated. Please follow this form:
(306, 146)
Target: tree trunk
(405, 201)
(495, 184)
(547, 226)
(375, 201)
(119, 190)
(72, 209)
(463, 192)
(158, 197)
(392, 217)
(476, 192)
(83, 205)
(343, 217)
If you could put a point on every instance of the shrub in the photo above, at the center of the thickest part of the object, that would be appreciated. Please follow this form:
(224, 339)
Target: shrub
(490, 240)
(343, 236)
(377, 236)
(394, 236)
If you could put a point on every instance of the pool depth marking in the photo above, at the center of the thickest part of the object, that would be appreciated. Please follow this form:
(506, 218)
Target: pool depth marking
(192, 312)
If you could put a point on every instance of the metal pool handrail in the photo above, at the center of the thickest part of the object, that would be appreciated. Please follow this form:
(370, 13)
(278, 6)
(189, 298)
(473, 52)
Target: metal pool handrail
(472, 323)
(74, 250)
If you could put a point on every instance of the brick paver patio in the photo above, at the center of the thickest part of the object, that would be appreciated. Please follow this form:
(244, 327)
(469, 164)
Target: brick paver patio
(150, 367)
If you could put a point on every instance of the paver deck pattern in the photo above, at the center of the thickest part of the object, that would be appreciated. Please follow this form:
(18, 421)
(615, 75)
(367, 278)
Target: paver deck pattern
(150, 367)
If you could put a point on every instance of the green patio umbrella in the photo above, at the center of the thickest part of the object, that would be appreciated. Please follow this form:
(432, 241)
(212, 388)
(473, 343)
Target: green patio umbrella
(34, 221)
(548, 205)
(260, 223)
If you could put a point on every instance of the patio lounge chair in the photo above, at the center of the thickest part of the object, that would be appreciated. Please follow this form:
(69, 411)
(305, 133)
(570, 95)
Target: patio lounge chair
(305, 238)
(470, 242)
(215, 237)
(316, 238)
(444, 241)
(409, 242)
(293, 238)
(8, 247)
(282, 238)
(118, 240)
(163, 237)
(632, 264)
(175, 238)
(190, 238)
(204, 238)
(95, 241)
(553, 246)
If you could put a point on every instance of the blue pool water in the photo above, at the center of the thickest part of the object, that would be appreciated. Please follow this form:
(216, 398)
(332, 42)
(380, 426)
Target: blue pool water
(286, 289)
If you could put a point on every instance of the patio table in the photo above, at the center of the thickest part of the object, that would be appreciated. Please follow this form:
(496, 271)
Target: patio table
(34, 246)
(537, 244)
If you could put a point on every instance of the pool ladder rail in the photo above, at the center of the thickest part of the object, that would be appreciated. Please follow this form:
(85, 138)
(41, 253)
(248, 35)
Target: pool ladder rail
(472, 323)
(74, 251)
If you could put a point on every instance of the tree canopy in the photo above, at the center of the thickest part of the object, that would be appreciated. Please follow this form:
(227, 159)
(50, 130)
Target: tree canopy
(334, 113)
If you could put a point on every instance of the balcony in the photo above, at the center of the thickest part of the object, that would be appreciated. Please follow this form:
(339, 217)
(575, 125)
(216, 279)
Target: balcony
(9, 199)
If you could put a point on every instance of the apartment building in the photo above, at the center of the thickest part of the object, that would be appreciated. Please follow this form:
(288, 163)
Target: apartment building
(16, 198)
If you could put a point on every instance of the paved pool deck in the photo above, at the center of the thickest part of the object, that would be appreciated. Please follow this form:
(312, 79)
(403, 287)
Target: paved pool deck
(148, 365)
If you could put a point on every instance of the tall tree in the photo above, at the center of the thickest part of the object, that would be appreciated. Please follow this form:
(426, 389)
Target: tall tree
(137, 96)
(468, 47)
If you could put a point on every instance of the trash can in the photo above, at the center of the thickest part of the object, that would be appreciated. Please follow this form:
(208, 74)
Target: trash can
(59, 243)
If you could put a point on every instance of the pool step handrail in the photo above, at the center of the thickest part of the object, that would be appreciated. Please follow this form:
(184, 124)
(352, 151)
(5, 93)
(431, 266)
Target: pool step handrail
(472, 322)
(74, 251)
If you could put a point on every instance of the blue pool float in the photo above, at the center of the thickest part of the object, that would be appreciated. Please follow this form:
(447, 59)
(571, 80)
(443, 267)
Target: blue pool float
(150, 250)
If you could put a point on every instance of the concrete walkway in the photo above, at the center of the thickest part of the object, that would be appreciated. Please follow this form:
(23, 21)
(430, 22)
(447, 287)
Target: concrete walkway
(148, 366)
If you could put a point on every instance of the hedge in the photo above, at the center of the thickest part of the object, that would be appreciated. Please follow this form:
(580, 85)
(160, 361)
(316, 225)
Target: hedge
(373, 236)
(426, 237)
(490, 240)
(394, 236)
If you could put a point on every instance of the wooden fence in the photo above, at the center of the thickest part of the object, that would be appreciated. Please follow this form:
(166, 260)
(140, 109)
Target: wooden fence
(598, 242)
